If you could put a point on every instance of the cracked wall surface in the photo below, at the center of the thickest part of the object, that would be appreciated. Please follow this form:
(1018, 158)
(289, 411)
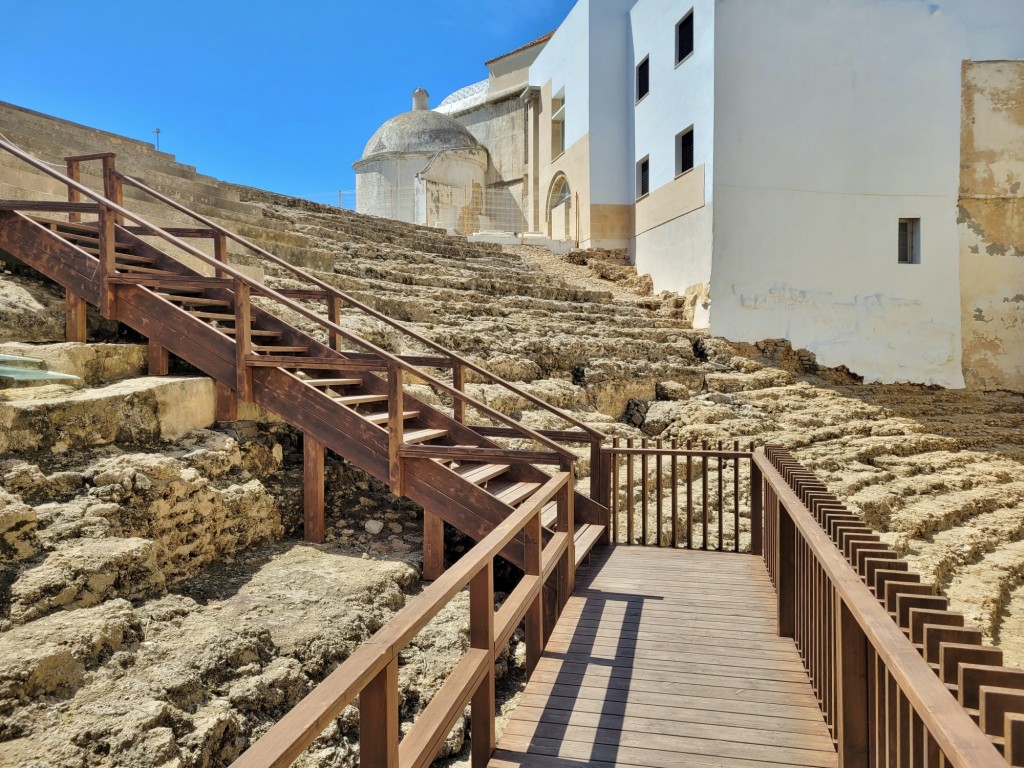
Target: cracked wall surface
(991, 220)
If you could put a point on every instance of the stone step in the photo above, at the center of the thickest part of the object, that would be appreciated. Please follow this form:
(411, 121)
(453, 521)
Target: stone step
(17, 361)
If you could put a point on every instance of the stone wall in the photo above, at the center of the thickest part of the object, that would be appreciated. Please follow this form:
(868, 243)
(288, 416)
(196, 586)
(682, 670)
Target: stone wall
(991, 221)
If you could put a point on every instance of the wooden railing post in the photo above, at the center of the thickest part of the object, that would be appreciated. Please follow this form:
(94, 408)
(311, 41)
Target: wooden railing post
(313, 489)
(852, 680)
(567, 523)
(243, 342)
(112, 188)
(459, 383)
(108, 307)
(157, 359)
(535, 613)
(74, 196)
(756, 510)
(481, 636)
(220, 251)
(786, 542)
(433, 545)
(75, 317)
(334, 316)
(378, 720)
(396, 428)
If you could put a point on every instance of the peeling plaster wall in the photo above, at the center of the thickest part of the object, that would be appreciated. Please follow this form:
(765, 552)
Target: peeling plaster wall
(992, 225)
(833, 120)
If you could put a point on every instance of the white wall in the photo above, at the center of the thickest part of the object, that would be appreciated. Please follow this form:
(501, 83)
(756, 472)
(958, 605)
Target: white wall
(611, 93)
(834, 119)
(565, 61)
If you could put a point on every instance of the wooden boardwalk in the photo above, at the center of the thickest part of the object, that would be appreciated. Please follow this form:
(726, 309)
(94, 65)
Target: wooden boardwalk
(668, 659)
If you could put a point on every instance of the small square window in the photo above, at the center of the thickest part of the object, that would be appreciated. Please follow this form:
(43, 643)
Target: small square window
(684, 38)
(643, 78)
(910, 241)
(684, 151)
(643, 177)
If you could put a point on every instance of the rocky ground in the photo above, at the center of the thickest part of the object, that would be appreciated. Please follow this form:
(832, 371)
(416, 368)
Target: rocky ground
(159, 608)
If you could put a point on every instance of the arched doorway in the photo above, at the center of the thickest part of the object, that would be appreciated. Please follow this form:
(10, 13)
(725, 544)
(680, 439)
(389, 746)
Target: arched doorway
(559, 208)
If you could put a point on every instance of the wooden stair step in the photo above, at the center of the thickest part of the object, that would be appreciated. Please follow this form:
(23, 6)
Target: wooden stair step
(480, 473)
(212, 316)
(198, 301)
(382, 418)
(423, 435)
(585, 538)
(333, 382)
(131, 258)
(254, 332)
(295, 350)
(549, 515)
(360, 399)
(512, 493)
(81, 239)
(137, 270)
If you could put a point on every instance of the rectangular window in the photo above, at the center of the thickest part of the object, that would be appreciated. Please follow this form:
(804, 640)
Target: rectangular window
(643, 177)
(643, 78)
(684, 151)
(558, 124)
(910, 241)
(684, 38)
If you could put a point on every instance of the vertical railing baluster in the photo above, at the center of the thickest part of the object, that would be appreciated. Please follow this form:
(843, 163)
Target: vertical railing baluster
(659, 489)
(243, 342)
(220, 253)
(334, 316)
(396, 429)
(107, 255)
(378, 719)
(534, 536)
(74, 196)
(675, 493)
(704, 495)
(736, 497)
(643, 493)
(615, 491)
(689, 494)
(629, 492)
(459, 406)
(721, 499)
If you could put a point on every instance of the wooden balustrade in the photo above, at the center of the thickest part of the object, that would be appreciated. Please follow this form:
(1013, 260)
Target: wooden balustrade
(899, 680)
(371, 672)
(709, 517)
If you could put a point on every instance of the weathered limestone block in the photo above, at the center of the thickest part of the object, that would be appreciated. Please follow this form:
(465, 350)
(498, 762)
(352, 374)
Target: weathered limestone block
(94, 364)
(51, 656)
(17, 529)
(84, 573)
(30, 310)
(132, 411)
(740, 382)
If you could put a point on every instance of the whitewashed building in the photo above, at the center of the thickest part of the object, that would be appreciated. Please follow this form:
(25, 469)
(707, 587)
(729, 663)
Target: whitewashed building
(792, 167)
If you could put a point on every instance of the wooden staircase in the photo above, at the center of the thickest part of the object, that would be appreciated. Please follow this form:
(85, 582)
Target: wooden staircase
(343, 392)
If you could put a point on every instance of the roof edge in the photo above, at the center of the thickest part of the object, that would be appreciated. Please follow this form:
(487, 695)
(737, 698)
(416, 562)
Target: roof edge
(520, 49)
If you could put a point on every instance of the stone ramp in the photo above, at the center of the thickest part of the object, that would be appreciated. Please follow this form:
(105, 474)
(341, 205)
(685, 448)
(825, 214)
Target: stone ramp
(668, 658)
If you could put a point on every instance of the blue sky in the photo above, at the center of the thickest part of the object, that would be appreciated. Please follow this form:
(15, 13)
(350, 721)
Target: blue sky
(278, 95)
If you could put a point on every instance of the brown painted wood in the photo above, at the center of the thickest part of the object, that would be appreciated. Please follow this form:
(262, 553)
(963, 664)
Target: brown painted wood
(227, 404)
(243, 342)
(50, 206)
(158, 359)
(378, 720)
(75, 317)
(481, 637)
(396, 429)
(313, 450)
(433, 545)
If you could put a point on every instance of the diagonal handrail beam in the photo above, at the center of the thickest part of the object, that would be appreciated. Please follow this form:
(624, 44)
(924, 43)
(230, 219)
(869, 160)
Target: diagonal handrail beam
(286, 302)
(356, 304)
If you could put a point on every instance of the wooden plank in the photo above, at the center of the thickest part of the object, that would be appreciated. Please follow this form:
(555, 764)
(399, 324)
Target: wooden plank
(75, 317)
(472, 453)
(433, 545)
(158, 359)
(378, 720)
(227, 403)
(49, 206)
(313, 529)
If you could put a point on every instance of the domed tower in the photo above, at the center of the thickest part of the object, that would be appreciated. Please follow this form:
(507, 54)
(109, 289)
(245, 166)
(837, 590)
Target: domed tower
(423, 167)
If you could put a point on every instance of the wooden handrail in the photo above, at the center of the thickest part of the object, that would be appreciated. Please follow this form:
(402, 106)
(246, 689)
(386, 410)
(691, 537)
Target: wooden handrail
(244, 279)
(356, 304)
(287, 739)
(944, 719)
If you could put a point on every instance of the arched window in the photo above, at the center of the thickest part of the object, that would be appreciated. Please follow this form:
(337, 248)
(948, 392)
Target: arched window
(560, 192)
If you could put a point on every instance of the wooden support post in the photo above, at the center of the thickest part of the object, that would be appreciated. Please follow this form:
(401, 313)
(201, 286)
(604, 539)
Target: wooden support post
(227, 403)
(1013, 732)
(112, 188)
(74, 196)
(459, 383)
(158, 359)
(378, 720)
(243, 341)
(566, 522)
(396, 428)
(334, 316)
(535, 613)
(75, 317)
(599, 479)
(786, 539)
(433, 545)
(108, 304)
(852, 679)
(220, 251)
(312, 489)
(481, 635)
